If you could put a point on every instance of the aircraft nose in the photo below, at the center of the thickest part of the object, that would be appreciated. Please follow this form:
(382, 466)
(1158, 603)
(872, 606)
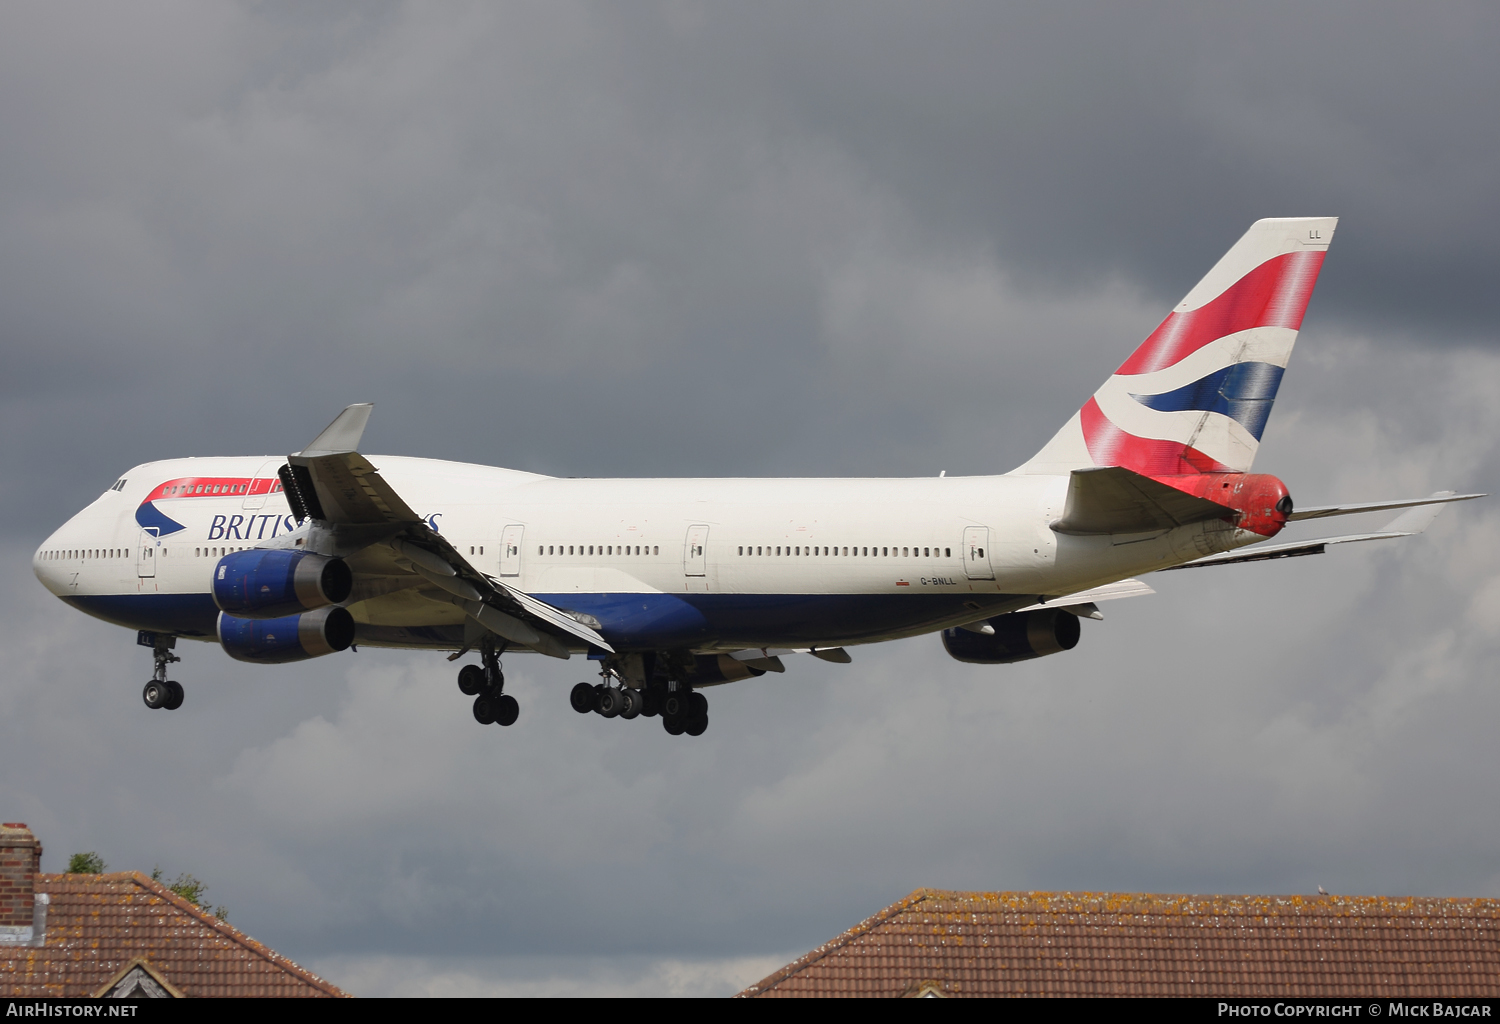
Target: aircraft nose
(53, 561)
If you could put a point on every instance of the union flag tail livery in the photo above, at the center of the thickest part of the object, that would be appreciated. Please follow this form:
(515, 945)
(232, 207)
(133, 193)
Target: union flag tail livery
(672, 586)
(1194, 398)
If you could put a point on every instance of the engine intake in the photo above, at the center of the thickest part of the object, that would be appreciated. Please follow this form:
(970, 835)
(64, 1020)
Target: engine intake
(1019, 636)
(290, 638)
(273, 584)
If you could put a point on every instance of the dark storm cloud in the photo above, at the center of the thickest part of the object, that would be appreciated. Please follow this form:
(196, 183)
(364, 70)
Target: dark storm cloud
(811, 239)
(520, 227)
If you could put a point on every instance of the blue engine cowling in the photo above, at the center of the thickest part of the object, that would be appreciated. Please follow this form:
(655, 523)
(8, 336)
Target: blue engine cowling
(272, 584)
(290, 638)
(1019, 636)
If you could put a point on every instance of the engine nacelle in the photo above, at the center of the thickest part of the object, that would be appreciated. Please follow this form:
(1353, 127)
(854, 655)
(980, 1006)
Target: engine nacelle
(1019, 636)
(273, 584)
(290, 638)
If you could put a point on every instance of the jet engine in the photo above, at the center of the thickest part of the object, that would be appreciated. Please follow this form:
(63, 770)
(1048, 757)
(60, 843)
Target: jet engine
(273, 584)
(289, 638)
(1019, 636)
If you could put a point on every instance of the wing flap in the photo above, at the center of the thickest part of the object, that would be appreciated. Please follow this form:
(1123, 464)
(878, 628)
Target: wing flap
(1085, 603)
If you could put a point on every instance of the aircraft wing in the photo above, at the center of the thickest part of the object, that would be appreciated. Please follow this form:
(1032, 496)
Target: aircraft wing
(1112, 499)
(329, 481)
(1085, 603)
(1408, 524)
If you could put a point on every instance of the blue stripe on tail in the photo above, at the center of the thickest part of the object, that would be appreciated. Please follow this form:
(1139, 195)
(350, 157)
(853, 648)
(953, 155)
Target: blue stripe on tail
(1243, 392)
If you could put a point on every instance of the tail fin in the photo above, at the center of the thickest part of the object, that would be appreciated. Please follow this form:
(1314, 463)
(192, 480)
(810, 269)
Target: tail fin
(1195, 396)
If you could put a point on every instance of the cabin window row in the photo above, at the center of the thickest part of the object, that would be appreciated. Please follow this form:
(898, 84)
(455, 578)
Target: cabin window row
(183, 489)
(62, 554)
(603, 549)
(68, 554)
(796, 550)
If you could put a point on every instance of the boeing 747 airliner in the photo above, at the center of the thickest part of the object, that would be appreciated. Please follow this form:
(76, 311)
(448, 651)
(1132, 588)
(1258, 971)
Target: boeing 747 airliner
(675, 585)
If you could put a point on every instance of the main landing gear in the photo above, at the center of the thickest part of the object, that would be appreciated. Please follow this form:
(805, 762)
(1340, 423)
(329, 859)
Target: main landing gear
(486, 684)
(161, 692)
(681, 709)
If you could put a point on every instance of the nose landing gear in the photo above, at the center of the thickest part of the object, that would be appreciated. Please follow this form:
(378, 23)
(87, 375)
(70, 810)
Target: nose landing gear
(486, 684)
(161, 692)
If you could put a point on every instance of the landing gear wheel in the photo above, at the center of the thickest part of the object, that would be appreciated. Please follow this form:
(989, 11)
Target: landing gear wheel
(630, 702)
(650, 703)
(673, 724)
(484, 709)
(697, 706)
(471, 680)
(672, 706)
(174, 697)
(695, 726)
(583, 698)
(611, 702)
(156, 694)
(506, 709)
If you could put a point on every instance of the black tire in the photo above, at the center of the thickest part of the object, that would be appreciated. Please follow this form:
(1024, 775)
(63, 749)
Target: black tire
(174, 698)
(697, 705)
(673, 724)
(630, 702)
(155, 695)
(471, 680)
(672, 705)
(583, 698)
(611, 702)
(650, 703)
(506, 710)
(484, 709)
(696, 726)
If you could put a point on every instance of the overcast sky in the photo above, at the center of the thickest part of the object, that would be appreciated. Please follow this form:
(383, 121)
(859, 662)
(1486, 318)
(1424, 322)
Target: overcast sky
(754, 239)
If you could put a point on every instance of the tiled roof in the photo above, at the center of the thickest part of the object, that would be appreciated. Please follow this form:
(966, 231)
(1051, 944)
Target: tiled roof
(1135, 944)
(97, 924)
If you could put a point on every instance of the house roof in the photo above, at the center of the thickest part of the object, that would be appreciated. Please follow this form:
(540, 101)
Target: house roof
(97, 924)
(1138, 944)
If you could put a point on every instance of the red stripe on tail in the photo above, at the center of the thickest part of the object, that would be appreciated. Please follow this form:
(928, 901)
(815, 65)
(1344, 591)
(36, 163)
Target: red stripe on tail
(1274, 294)
(1110, 446)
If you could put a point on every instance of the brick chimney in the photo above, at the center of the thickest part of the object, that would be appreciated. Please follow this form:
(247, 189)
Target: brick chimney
(20, 859)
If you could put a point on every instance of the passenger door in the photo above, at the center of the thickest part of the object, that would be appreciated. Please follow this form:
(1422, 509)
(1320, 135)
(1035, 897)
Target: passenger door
(510, 550)
(146, 552)
(694, 559)
(265, 484)
(976, 553)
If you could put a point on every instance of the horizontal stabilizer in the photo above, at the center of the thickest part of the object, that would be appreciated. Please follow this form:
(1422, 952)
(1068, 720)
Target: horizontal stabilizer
(1407, 524)
(1322, 511)
(1113, 499)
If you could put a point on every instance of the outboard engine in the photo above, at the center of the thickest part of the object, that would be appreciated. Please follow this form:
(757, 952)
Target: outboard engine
(1019, 636)
(290, 638)
(273, 584)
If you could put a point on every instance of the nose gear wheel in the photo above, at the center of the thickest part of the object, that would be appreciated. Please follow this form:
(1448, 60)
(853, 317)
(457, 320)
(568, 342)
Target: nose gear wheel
(161, 693)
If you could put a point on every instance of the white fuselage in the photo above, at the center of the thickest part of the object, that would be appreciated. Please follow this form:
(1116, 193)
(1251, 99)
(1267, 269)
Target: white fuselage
(702, 564)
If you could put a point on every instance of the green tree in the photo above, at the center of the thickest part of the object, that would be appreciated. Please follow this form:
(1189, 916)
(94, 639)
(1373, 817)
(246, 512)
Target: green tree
(190, 889)
(86, 864)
